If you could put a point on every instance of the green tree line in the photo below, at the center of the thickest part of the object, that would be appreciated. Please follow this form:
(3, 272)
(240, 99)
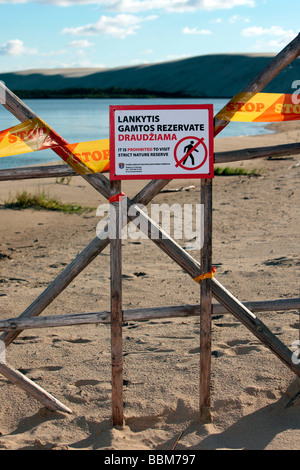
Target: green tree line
(111, 92)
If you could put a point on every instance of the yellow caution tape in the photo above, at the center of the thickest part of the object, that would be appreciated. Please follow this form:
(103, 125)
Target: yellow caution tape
(208, 275)
(261, 107)
(35, 134)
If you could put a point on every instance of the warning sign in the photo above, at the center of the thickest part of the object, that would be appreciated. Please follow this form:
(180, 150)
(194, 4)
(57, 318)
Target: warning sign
(161, 142)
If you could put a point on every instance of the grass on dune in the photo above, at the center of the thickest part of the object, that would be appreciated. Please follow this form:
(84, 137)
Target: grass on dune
(229, 171)
(41, 200)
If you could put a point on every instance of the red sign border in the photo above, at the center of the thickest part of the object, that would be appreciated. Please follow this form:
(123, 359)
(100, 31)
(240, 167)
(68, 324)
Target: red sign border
(191, 175)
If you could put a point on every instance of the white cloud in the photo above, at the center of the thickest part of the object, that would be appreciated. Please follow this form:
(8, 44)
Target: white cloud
(53, 53)
(80, 43)
(119, 26)
(135, 6)
(15, 47)
(225, 4)
(273, 38)
(272, 31)
(188, 30)
(62, 3)
(175, 5)
(238, 19)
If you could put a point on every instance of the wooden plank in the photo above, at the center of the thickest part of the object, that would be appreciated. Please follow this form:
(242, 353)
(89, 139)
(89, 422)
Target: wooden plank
(116, 308)
(34, 172)
(257, 152)
(140, 314)
(16, 106)
(206, 303)
(54, 321)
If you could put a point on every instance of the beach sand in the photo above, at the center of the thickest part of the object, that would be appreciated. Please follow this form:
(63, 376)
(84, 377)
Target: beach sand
(256, 254)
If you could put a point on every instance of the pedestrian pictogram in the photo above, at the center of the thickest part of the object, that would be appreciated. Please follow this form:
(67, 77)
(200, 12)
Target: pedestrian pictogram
(185, 153)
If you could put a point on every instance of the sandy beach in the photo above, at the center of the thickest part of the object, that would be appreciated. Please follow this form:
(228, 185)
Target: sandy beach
(256, 254)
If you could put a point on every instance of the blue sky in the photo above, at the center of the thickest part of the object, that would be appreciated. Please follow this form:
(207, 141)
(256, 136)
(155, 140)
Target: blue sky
(112, 33)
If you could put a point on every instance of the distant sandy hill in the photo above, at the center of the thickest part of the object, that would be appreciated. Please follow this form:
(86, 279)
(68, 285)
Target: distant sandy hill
(219, 75)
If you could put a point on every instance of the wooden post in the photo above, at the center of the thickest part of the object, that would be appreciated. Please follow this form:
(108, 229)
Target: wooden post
(206, 303)
(116, 308)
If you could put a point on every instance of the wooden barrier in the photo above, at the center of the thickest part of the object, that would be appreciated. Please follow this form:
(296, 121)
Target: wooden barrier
(209, 288)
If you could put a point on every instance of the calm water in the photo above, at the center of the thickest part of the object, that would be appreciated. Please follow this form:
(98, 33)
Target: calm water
(79, 120)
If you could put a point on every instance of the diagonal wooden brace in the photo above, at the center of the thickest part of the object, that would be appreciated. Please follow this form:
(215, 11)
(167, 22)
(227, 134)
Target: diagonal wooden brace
(32, 389)
(231, 303)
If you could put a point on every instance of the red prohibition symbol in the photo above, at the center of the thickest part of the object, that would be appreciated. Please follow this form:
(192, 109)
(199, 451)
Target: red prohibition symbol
(192, 144)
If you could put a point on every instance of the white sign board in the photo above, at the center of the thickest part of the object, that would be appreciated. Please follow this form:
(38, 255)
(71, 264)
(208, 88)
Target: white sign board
(161, 142)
